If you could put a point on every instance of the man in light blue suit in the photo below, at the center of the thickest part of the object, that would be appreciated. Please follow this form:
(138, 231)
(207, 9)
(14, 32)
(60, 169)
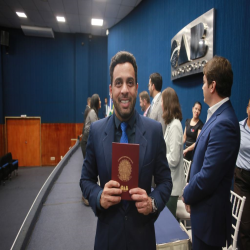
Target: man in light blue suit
(208, 191)
(125, 225)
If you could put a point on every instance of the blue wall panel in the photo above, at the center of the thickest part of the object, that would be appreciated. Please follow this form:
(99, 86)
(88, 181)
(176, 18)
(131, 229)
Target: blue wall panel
(147, 32)
(98, 60)
(81, 73)
(49, 77)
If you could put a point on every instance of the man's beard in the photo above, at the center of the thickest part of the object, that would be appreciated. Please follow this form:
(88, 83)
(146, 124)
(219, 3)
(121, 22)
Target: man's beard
(118, 110)
(143, 108)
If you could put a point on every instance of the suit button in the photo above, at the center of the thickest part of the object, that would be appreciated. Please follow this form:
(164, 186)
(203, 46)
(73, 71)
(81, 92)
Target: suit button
(126, 217)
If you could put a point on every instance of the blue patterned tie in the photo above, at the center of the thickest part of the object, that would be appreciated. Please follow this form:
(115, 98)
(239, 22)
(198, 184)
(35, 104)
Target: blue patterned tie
(124, 139)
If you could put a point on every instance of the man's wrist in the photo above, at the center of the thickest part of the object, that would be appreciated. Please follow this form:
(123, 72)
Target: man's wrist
(153, 204)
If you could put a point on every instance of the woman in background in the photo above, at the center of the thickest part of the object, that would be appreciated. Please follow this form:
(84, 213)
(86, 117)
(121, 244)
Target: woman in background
(92, 116)
(192, 130)
(173, 137)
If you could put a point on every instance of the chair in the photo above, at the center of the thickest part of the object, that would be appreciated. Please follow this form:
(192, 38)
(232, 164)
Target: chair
(238, 203)
(237, 209)
(188, 232)
(186, 165)
(181, 213)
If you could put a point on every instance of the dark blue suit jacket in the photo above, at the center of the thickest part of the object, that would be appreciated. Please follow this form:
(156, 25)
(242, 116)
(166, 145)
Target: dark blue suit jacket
(117, 228)
(212, 169)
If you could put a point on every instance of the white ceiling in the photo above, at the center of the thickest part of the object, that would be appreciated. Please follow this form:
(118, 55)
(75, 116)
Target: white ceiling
(78, 14)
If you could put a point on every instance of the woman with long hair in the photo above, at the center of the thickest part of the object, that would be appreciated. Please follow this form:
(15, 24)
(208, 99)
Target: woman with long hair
(92, 116)
(173, 137)
(192, 130)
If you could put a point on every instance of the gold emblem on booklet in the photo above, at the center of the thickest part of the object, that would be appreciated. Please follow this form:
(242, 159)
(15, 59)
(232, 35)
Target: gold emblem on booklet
(125, 171)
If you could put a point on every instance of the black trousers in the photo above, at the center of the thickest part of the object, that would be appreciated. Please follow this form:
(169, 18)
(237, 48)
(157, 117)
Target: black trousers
(198, 244)
(242, 188)
(83, 147)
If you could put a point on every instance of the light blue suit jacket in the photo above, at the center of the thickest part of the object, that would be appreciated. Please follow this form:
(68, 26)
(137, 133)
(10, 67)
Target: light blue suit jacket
(212, 169)
(117, 228)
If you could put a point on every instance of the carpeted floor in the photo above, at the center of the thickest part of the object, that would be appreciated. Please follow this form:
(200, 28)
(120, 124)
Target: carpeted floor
(16, 198)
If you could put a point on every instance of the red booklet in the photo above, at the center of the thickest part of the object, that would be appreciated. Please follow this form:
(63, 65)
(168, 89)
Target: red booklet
(125, 166)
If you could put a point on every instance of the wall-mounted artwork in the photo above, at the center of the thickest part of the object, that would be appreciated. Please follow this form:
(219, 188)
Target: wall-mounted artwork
(192, 47)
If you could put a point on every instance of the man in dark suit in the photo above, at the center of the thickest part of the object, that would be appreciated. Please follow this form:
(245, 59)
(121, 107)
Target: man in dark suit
(128, 226)
(208, 191)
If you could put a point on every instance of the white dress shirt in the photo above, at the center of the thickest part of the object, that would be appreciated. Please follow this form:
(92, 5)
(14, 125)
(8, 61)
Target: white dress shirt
(212, 109)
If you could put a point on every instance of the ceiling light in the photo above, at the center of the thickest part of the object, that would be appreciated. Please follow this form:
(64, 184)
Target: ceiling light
(107, 32)
(60, 19)
(97, 22)
(21, 14)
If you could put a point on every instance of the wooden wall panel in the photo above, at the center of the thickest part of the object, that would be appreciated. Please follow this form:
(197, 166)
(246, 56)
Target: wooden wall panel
(56, 140)
(23, 137)
(79, 127)
(2, 140)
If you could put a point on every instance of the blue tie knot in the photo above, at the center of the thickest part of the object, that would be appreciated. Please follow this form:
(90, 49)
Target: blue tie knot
(124, 126)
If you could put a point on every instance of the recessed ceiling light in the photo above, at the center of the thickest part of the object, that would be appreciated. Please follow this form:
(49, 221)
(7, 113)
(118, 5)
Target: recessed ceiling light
(60, 19)
(97, 22)
(21, 14)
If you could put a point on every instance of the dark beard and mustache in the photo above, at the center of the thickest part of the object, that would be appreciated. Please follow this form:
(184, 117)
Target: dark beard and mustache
(124, 115)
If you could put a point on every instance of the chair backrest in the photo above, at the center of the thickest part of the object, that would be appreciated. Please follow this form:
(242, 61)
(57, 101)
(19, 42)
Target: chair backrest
(238, 203)
(187, 165)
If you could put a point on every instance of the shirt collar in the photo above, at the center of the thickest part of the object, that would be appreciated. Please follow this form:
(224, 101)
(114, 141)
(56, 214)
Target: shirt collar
(146, 111)
(244, 124)
(155, 99)
(130, 122)
(212, 109)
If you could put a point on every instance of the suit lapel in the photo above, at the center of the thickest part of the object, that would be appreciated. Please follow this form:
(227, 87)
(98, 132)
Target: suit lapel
(107, 140)
(140, 139)
(212, 119)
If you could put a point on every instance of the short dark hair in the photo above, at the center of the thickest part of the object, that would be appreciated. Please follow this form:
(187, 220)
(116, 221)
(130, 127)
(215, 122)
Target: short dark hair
(120, 58)
(171, 105)
(94, 103)
(156, 79)
(198, 103)
(219, 69)
(145, 96)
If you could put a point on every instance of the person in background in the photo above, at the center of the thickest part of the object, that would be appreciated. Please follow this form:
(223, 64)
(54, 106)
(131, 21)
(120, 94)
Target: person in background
(242, 180)
(144, 102)
(125, 225)
(87, 108)
(192, 130)
(173, 138)
(207, 195)
(92, 116)
(154, 88)
(105, 108)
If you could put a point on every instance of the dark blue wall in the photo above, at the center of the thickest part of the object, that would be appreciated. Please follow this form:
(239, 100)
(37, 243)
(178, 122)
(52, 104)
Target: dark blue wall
(52, 78)
(147, 33)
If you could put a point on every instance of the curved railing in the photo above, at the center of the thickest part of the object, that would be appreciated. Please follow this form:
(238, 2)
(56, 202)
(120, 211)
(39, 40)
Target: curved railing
(29, 222)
